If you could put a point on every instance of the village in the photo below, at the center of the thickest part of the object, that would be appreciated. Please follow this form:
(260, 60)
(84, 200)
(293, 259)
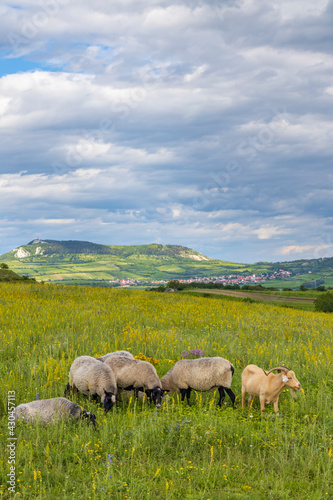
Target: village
(231, 279)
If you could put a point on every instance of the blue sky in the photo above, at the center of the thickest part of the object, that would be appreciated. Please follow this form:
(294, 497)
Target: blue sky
(200, 123)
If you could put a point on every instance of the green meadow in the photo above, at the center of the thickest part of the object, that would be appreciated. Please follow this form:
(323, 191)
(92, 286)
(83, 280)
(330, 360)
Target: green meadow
(196, 452)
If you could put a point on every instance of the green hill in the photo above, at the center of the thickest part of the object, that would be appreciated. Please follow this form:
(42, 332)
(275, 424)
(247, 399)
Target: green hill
(9, 275)
(83, 262)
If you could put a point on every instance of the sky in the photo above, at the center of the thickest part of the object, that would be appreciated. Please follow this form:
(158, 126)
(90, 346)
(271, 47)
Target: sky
(206, 124)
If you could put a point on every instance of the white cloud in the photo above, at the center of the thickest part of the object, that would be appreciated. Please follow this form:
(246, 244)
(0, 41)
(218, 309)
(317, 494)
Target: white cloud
(202, 123)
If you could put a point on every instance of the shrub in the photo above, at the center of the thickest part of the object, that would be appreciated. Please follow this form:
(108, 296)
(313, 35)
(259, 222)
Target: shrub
(324, 303)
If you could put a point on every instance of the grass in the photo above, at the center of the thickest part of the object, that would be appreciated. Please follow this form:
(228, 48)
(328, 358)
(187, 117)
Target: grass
(292, 298)
(197, 452)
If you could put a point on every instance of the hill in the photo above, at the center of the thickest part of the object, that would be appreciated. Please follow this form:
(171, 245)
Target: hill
(9, 275)
(83, 262)
(50, 248)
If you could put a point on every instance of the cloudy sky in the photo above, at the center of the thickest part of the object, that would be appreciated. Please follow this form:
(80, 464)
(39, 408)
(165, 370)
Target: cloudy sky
(201, 123)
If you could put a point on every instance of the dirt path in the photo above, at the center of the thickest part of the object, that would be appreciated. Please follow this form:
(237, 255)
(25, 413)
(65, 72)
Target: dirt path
(256, 296)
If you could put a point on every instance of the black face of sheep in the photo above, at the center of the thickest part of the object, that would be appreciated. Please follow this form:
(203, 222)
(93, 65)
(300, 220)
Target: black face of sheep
(156, 396)
(109, 401)
(90, 417)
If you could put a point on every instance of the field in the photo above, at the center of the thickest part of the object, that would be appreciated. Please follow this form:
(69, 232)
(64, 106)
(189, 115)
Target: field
(193, 453)
(298, 300)
(100, 269)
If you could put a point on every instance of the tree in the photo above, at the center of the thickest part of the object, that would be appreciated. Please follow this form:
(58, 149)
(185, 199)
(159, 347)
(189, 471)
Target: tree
(324, 303)
(174, 284)
(4, 266)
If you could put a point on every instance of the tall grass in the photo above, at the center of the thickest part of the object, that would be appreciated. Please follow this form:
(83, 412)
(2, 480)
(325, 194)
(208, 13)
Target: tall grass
(196, 452)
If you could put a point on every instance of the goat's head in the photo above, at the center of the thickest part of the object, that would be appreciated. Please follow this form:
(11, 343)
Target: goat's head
(288, 378)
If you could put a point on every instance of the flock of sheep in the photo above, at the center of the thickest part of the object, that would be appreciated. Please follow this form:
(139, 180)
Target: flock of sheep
(107, 376)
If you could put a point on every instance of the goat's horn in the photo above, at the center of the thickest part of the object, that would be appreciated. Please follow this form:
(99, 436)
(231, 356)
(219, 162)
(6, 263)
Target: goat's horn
(283, 368)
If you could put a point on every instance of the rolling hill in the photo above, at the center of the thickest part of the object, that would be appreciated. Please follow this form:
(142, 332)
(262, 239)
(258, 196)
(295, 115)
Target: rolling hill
(83, 262)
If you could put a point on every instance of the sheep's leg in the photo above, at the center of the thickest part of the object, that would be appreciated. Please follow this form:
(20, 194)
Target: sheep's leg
(222, 396)
(187, 393)
(231, 396)
(250, 400)
(262, 403)
(67, 389)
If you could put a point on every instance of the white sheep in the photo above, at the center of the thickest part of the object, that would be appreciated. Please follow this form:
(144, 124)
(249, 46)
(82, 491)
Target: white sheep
(137, 375)
(48, 410)
(93, 378)
(126, 354)
(204, 374)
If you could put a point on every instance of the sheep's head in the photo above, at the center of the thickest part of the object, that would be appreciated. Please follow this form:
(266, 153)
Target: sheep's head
(156, 395)
(108, 399)
(90, 417)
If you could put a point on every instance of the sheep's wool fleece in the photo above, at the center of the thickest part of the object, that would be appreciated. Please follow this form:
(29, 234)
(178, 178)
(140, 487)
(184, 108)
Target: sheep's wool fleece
(46, 410)
(133, 372)
(204, 374)
(93, 377)
(125, 354)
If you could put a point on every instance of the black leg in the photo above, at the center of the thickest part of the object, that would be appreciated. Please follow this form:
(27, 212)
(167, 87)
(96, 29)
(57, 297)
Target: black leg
(188, 394)
(231, 396)
(222, 396)
(183, 393)
(67, 389)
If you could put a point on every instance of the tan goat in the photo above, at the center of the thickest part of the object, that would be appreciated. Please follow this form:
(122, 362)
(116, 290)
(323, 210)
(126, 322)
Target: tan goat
(266, 385)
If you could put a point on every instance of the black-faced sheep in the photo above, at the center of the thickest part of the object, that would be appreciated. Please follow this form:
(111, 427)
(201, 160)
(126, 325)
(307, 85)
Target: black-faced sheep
(91, 377)
(49, 410)
(204, 374)
(137, 375)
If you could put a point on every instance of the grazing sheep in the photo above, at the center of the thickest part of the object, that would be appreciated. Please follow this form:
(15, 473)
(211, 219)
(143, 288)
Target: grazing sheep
(91, 377)
(266, 385)
(204, 374)
(137, 375)
(48, 410)
(126, 354)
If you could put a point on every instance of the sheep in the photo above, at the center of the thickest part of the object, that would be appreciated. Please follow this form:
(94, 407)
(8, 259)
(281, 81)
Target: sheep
(257, 382)
(91, 377)
(126, 354)
(48, 410)
(137, 375)
(204, 374)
